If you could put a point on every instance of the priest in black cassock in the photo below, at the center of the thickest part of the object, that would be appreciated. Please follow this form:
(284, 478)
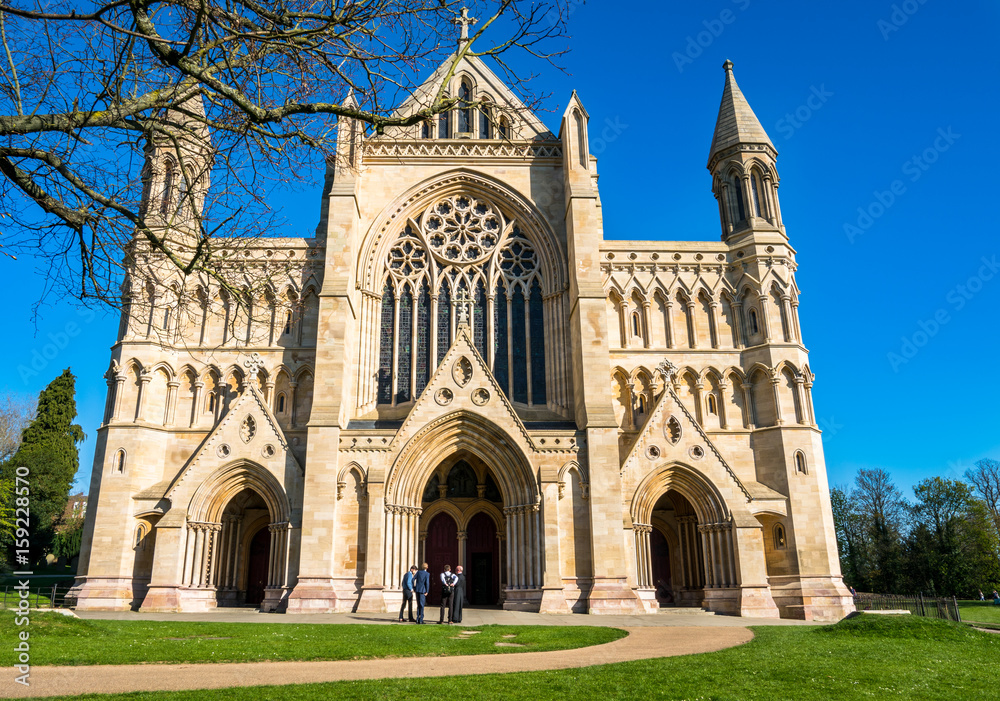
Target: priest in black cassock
(458, 598)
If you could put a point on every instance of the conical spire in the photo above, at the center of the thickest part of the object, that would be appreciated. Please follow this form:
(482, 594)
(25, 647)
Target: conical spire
(737, 124)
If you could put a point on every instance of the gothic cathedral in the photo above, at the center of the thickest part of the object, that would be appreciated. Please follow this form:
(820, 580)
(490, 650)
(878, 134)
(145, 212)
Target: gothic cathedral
(458, 368)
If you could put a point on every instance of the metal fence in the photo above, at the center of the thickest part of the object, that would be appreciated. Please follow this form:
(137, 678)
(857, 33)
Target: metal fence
(920, 605)
(53, 596)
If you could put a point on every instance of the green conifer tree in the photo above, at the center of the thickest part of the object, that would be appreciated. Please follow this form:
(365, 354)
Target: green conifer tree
(48, 450)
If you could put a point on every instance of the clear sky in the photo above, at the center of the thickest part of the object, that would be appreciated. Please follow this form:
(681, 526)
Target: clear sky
(884, 116)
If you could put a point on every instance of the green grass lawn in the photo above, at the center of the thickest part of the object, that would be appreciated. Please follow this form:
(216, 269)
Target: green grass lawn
(979, 611)
(61, 640)
(868, 657)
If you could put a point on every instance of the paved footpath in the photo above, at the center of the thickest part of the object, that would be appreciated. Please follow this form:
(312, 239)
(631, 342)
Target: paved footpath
(641, 643)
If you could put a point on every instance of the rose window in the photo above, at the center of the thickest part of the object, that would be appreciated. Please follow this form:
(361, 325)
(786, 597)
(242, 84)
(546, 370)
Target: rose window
(461, 229)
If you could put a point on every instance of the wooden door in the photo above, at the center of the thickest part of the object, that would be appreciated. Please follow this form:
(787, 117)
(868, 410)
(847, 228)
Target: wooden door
(441, 550)
(257, 561)
(482, 575)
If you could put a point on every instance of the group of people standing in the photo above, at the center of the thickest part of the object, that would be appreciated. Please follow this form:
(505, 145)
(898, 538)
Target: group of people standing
(417, 584)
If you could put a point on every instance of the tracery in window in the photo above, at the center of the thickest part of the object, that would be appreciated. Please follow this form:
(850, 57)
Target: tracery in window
(443, 122)
(461, 246)
(465, 113)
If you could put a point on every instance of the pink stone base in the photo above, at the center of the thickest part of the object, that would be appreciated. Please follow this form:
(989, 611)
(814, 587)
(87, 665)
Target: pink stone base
(757, 602)
(372, 600)
(315, 595)
(554, 601)
(275, 600)
(647, 598)
(102, 594)
(165, 599)
(818, 599)
(613, 597)
(522, 600)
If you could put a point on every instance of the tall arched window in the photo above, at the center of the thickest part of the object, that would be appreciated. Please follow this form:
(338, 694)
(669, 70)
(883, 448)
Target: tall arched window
(737, 187)
(465, 113)
(484, 122)
(755, 186)
(779, 537)
(386, 336)
(444, 122)
(281, 403)
(713, 406)
(168, 186)
(752, 322)
(118, 466)
(465, 248)
(800, 463)
(504, 128)
(425, 130)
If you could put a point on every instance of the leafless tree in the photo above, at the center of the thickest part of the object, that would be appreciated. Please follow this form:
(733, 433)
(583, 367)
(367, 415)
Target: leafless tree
(985, 479)
(89, 89)
(16, 412)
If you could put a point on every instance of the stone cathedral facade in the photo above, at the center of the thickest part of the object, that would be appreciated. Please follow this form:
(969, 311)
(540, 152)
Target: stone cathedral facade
(459, 368)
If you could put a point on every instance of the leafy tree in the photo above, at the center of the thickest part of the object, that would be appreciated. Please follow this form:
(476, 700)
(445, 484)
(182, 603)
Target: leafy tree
(852, 539)
(883, 511)
(952, 547)
(48, 450)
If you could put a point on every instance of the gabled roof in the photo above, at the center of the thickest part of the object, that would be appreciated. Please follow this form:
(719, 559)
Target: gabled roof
(530, 127)
(736, 124)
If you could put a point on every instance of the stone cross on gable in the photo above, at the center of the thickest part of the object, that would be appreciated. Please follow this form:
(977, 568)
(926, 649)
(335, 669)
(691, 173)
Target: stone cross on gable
(668, 369)
(464, 21)
(253, 363)
(463, 301)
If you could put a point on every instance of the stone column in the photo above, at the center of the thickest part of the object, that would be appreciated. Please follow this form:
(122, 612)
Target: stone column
(269, 394)
(692, 324)
(144, 379)
(748, 417)
(714, 323)
(119, 389)
(292, 384)
(170, 410)
(738, 324)
(196, 409)
(765, 325)
(668, 306)
(775, 382)
(699, 404)
(724, 405)
(800, 392)
(786, 307)
(647, 336)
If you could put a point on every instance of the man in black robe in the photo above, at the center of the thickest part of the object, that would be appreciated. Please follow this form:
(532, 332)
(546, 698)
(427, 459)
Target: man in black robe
(458, 597)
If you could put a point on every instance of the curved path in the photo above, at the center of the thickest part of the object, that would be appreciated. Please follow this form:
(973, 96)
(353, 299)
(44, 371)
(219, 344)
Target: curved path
(639, 644)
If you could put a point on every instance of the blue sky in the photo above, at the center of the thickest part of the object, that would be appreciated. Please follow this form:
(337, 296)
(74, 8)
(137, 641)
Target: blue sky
(887, 108)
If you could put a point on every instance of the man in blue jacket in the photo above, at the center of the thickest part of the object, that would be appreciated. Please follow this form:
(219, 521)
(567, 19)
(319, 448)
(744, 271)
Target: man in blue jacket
(409, 579)
(422, 585)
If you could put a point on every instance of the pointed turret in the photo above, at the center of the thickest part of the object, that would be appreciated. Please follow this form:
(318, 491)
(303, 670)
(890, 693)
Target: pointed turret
(742, 162)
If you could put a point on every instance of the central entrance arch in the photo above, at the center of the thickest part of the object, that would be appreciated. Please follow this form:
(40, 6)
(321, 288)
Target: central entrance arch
(462, 510)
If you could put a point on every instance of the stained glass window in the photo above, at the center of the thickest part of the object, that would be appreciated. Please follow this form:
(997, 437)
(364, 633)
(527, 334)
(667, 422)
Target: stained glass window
(443, 322)
(461, 481)
(479, 319)
(537, 344)
(465, 113)
(443, 125)
(423, 355)
(519, 372)
(484, 123)
(500, 338)
(386, 346)
(404, 345)
(431, 490)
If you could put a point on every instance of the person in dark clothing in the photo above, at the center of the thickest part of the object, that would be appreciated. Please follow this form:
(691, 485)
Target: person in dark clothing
(409, 579)
(458, 596)
(448, 581)
(421, 585)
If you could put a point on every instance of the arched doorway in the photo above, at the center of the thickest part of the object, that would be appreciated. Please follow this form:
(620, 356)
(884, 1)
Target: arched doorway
(482, 570)
(257, 566)
(441, 550)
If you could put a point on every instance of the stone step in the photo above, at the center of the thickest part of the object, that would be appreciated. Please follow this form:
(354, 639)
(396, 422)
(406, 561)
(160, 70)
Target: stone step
(685, 611)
